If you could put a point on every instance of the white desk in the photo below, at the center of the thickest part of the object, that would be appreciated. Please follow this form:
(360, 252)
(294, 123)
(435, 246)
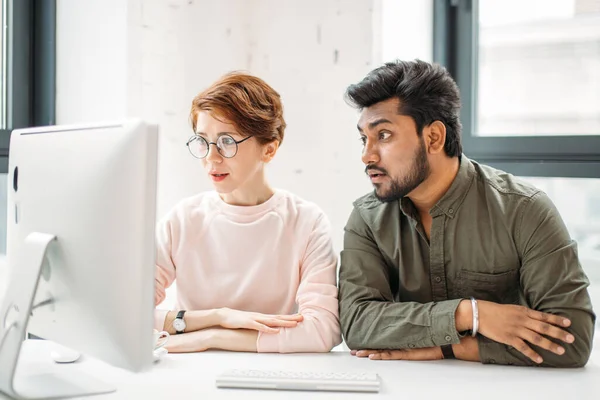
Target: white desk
(192, 376)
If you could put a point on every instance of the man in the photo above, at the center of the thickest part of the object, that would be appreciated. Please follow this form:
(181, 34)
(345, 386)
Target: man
(450, 258)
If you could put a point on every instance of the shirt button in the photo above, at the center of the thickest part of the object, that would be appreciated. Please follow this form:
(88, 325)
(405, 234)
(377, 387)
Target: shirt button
(448, 338)
(438, 279)
(412, 346)
(450, 210)
(492, 361)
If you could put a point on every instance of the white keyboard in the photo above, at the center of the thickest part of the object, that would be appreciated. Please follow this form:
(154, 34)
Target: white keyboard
(294, 380)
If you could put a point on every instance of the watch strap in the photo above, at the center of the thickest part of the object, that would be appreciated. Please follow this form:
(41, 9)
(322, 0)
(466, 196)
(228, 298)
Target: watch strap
(447, 352)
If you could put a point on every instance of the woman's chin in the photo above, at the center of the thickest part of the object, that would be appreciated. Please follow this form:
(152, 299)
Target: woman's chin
(223, 188)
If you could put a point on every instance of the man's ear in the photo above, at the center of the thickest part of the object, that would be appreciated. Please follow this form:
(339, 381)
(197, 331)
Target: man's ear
(435, 137)
(269, 151)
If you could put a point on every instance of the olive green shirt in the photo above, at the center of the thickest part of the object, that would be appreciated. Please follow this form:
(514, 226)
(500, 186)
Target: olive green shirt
(493, 237)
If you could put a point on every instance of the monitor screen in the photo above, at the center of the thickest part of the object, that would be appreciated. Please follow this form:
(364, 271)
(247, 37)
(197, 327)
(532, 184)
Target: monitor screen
(93, 187)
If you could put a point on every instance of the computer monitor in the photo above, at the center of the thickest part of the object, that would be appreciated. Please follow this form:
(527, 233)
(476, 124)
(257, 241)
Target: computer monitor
(81, 217)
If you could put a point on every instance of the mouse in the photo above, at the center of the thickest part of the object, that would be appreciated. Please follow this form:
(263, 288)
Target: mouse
(64, 355)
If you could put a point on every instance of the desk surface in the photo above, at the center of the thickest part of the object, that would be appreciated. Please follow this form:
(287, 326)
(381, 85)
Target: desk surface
(192, 376)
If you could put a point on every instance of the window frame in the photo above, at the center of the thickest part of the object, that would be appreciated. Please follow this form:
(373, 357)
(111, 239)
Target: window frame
(30, 67)
(455, 36)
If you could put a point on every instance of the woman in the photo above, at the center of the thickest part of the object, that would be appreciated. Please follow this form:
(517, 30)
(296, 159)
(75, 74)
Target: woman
(255, 267)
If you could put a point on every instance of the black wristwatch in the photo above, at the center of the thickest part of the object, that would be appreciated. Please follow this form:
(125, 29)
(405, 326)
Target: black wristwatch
(179, 323)
(448, 352)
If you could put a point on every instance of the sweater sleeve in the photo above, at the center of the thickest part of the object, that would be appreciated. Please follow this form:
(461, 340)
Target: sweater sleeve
(316, 298)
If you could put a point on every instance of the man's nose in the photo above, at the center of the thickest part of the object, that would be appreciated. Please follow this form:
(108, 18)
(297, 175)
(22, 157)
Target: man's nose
(370, 154)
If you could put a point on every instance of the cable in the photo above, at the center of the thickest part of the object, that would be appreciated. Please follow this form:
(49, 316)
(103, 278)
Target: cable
(42, 303)
(6, 332)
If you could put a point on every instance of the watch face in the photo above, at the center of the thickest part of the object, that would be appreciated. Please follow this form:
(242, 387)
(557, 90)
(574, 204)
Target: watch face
(179, 324)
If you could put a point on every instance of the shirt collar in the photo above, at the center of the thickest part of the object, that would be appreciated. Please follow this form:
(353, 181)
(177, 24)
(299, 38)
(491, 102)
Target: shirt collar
(452, 199)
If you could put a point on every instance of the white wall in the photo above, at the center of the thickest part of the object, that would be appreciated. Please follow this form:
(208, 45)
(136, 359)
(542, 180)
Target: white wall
(406, 30)
(91, 58)
(292, 45)
(148, 58)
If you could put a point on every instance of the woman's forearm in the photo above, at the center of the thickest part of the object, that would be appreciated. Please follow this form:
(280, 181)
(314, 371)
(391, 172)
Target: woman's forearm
(213, 338)
(195, 320)
(235, 340)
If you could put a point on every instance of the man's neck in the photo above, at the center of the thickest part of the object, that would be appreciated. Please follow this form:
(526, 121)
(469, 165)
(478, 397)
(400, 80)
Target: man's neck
(436, 185)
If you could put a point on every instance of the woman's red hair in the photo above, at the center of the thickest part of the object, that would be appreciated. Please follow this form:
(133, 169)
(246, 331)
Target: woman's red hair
(245, 101)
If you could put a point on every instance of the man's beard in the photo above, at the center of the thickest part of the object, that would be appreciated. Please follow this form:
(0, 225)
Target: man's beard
(418, 172)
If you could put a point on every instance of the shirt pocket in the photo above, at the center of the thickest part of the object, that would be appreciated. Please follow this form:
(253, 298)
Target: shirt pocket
(502, 287)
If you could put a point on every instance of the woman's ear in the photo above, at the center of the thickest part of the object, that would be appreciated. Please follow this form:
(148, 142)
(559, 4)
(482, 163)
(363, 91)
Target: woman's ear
(269, 151)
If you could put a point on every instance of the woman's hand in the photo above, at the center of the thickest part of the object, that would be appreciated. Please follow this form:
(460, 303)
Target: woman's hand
(234, 319)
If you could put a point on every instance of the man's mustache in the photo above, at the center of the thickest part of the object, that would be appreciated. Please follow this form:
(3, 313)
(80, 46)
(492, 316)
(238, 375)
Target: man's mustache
(375, 168)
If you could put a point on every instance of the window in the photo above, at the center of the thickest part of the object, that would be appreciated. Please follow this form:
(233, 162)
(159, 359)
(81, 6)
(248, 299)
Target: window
(539, 68)
(27, 76)
(529, 76)
(2, 67)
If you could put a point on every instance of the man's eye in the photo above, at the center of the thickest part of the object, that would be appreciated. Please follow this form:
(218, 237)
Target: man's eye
(384, 135)
(363, 140)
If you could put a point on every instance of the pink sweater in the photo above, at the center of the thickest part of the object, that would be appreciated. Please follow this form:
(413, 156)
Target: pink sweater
(274, 258)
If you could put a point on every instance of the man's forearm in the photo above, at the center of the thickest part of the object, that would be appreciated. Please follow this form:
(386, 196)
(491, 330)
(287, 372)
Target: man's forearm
(195, 320)
(464, 316)
(391, 325)
(467, 349)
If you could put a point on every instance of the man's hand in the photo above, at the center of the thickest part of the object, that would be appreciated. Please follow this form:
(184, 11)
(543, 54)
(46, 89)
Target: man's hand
(423, 354)
(517, 325)
(234, 319)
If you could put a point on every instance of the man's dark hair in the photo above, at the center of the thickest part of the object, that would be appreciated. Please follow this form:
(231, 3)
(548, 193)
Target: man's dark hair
(427, 93)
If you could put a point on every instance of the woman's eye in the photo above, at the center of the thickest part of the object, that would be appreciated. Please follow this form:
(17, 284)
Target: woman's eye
(227, 141)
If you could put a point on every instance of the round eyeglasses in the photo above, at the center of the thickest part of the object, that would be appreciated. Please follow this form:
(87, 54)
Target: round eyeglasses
(226, 146)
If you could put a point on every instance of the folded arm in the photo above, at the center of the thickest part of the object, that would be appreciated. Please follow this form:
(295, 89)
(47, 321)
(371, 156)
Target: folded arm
(553, 282)
(213, 338)
(316, 298)
(369, 316)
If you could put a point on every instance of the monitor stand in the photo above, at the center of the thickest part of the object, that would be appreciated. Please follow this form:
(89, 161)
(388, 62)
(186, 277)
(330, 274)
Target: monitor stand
(14, 315)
